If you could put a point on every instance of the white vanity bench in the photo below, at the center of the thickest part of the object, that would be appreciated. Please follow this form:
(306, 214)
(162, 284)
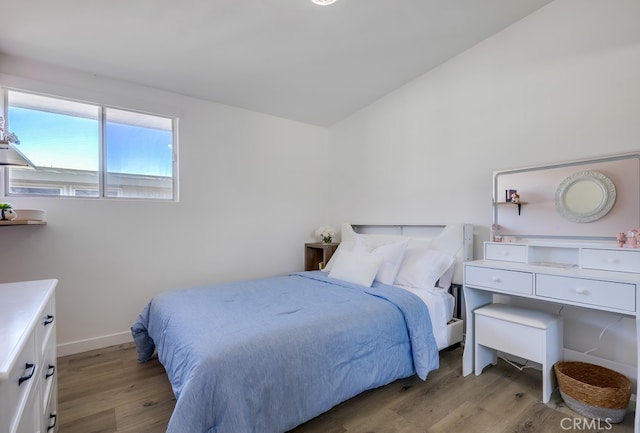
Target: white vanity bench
(596, 276)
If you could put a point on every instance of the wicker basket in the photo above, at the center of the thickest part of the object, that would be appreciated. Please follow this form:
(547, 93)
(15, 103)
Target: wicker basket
(593, 391)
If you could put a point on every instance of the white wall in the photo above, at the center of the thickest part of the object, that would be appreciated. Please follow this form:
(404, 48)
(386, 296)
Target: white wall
(561, 84)
(250, 197)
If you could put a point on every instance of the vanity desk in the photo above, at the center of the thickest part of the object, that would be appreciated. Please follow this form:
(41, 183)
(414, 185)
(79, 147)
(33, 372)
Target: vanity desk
(597, 276)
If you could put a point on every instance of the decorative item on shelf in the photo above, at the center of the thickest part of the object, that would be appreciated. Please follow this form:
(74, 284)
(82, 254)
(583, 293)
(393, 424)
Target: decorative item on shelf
(515, 199)
(495, 233)
(622, 239)
(6, 212)
(508, 193)
(36, 215)
(511, 196)
(326, 234)
(633, 238)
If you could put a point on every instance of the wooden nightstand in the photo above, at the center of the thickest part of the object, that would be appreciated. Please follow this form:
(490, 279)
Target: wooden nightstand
(316, 253)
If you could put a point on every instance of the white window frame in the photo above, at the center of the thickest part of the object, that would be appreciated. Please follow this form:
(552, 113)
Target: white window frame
(102, 165)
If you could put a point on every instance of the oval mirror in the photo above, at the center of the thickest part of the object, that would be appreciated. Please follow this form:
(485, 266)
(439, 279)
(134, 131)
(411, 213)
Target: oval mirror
(585, 196)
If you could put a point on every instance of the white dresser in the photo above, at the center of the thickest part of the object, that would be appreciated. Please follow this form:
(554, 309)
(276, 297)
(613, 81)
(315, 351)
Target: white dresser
(590, 275)
(28, 394)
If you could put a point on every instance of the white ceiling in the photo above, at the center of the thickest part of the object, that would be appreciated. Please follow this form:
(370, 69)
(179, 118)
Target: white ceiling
(289, 58)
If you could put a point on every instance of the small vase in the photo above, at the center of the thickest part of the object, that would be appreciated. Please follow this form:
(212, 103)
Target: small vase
(326, 240)
(8, 214)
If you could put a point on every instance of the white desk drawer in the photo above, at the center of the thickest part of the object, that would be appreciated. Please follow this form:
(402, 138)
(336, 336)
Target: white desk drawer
(505, 252)
(619, 296)
(611, 260)
(499, 279)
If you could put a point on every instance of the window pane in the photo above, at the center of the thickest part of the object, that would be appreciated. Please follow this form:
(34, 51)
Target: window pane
(60, 137)
(139, 154)
(36, 190)
(86, 150)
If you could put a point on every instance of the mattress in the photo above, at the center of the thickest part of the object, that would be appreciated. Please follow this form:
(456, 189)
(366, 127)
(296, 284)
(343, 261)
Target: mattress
(440, 304)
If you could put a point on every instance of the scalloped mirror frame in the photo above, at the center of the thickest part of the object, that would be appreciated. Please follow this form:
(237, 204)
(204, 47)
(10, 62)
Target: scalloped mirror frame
(585, 196)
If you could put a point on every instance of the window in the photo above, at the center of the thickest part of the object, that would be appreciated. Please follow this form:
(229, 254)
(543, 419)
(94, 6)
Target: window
(86, 150)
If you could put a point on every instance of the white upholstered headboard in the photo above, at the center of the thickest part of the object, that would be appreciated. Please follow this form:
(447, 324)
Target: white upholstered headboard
(456, 239)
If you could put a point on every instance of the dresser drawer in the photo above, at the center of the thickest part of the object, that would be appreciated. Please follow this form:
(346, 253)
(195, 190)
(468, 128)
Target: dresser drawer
(618, 296)
(22, 381)
(499, 279)
(505, 252)
(49, 415)
(45, 327)
(611, 260)
(48, 374)
(29, 422)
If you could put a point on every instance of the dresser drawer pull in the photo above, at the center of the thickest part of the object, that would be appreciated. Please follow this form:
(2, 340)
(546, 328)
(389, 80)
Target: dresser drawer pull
(28, 376)
(53, 416)
(580, 291)
(495, 279)
(48, 320)
(50, 371)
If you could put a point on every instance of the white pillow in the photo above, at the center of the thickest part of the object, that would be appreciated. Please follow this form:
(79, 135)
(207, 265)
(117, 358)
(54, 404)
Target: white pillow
(356, 268)
(451, 241)
(344, 246)
(444, 282)
(391, 255)
(423, 267)
(347, 240)
(347, 233)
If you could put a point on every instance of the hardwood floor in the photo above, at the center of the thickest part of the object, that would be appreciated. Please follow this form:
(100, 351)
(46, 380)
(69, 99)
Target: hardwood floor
(107, 391)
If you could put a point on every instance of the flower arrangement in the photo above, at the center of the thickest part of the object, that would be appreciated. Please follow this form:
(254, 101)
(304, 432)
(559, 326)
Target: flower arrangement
(326, 233)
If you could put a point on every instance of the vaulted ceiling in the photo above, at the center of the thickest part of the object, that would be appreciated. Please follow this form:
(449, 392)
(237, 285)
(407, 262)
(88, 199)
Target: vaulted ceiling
(289, 58)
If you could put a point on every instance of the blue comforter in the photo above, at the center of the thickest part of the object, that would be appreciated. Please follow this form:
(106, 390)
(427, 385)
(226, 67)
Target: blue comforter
(267, 355)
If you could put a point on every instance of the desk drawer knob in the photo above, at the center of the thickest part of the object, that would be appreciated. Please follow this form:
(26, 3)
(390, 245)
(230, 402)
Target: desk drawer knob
(495, 279)
(581, 291)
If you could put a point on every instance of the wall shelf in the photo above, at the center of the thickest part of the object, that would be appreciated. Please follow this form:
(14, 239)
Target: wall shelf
(22, 223)
(501, 203)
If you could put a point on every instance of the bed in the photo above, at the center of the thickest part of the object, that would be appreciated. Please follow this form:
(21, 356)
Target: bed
(267, 355)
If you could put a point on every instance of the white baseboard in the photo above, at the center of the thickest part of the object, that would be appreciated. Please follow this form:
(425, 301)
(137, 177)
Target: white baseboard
(65, 349)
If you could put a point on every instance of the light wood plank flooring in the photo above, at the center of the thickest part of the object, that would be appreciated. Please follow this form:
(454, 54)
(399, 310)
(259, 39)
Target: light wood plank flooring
(107, 391)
